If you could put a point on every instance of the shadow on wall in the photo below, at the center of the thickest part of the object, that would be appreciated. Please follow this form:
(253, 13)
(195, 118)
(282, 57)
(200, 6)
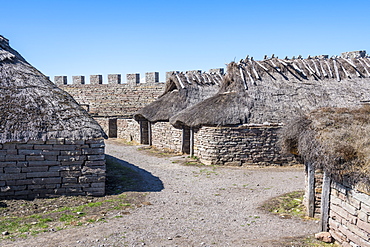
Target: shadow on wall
(123, 177)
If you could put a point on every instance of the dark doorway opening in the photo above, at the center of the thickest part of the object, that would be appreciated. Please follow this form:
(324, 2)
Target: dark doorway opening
(145, 132)
(112, 128)
(187, 140)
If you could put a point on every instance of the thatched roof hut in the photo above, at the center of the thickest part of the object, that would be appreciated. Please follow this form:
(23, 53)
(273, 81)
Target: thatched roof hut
(182, 90)
(33, 108)
(275, 90)
(334, 139)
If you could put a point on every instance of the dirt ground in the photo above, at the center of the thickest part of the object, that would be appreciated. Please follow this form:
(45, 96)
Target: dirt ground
(190, 206)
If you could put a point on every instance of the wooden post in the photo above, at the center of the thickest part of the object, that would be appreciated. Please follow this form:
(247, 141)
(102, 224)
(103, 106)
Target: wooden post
(191, 142)
(325, 198)
(310, 172)
(149, 133)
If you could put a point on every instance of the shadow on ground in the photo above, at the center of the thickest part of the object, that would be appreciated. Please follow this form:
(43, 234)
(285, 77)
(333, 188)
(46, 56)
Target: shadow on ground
(123, 177)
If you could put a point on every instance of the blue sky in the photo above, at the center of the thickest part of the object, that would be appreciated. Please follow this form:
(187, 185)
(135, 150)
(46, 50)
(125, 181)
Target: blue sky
(82, 37)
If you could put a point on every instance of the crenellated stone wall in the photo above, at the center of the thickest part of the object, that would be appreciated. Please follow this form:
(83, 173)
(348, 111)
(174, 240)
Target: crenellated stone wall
(349, 216)
(114, 100)
(237, 146)
(53, 167)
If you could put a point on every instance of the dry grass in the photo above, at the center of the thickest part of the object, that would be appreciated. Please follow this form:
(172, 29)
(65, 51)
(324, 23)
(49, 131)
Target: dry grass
(336, 138)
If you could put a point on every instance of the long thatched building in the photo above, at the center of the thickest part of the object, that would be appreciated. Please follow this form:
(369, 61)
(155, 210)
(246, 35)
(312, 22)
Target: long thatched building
(336, 141)
(182, 90)
(49, 145)
(239, 125)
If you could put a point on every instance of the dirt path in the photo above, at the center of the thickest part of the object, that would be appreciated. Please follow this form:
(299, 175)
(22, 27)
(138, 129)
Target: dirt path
(192, 206)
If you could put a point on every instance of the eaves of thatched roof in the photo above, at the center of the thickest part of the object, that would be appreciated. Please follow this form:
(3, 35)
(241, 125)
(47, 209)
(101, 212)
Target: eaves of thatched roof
(335, 139)
(182, 90)
(279, 89)
(33, 108)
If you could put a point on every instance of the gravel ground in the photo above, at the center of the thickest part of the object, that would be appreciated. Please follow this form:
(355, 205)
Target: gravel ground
(192, 206)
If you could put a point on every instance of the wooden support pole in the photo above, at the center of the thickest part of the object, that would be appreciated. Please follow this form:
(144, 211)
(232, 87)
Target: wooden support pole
(322, 69)
(243, 78)
(327, 64)
(149, 133)
(363, 65)
(325, 199)
(310, 173)
(191, 142)
(336, 69)
(178, 78)
(316, 68)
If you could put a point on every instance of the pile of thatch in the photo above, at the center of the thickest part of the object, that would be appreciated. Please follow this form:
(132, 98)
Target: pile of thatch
(335, 139)
(276, 90)
(182, 91)
(32, 107)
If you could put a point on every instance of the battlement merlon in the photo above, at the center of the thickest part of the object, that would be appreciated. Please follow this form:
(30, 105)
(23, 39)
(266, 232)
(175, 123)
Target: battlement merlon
(96, 79)
(78, 79)
(151, 77)
(133, 79)
(114, 79)
(353, 54)
(60, 80)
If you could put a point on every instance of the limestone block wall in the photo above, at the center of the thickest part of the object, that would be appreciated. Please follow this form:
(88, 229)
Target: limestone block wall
(120, 100)
(53, 167)
(349, 216)
(103, 122)
(128, 129)
(236, 146)
(165, 136)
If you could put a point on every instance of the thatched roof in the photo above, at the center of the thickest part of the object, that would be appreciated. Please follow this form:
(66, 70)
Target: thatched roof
(33, 108)
(336, 139)
(182, 91)
(275, 90)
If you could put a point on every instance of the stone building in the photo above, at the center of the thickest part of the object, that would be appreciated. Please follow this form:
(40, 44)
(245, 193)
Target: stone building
(182, 90)
(239, 125)
(49, 145)
(336, 142)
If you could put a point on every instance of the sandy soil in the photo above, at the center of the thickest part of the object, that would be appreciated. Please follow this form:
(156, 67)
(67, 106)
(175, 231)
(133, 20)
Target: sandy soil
(192, 206)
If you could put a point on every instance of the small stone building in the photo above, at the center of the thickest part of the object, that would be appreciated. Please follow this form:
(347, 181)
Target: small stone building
(336, 142)
(49, 145)
(240, 124)
(182, 90)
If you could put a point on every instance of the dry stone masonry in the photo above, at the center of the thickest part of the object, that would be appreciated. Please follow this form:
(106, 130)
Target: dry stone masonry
(349, 216)
(237, 146)
(53, 167)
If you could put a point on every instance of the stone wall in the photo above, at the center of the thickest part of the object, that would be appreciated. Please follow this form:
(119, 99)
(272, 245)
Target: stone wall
(114, 100)
(128, 129)
(53, 167)
(349, 216)
(236, 146)
(165, 136)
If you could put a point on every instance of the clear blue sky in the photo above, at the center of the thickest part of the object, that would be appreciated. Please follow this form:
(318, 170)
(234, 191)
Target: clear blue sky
(83, 37)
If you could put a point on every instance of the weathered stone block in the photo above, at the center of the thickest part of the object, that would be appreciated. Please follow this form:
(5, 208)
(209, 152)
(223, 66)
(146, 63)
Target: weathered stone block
(152, 77)
(96, 157)
(78, 79)
(93, 150)
(55, 141)
(12, 169)
(96, 79)
(114, 78)
(47, 174)
(14, 157)
(133, 78)
(60, 80)
(33, 158)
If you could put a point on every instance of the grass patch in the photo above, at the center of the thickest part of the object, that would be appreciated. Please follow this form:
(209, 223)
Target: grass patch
(289, 204)
(22, 218)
